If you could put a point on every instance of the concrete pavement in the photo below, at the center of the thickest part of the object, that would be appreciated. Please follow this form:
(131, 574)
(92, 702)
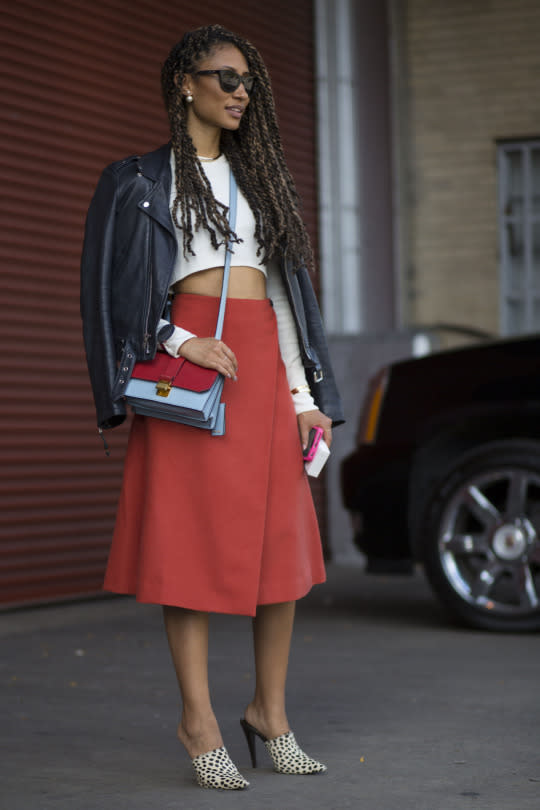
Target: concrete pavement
(408, 711)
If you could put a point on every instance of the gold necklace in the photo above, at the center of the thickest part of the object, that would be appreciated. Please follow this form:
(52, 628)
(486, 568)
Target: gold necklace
(208, 159)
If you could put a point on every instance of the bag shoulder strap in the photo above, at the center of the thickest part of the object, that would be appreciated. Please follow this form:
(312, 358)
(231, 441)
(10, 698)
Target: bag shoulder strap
(233, 199)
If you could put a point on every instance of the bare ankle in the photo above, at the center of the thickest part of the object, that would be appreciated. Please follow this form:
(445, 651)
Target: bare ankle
(269, 720)
(199, 733)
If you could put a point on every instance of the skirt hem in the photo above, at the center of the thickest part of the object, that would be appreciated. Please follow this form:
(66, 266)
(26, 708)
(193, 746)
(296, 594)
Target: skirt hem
(284, 596)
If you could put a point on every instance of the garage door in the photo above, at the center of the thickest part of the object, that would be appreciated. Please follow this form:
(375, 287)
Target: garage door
(80, 88)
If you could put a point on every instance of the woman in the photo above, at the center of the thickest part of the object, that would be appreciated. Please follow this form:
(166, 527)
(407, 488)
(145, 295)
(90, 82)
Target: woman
(208, 524)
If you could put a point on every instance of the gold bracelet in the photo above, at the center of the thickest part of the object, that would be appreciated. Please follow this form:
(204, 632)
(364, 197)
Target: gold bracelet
(300, 388)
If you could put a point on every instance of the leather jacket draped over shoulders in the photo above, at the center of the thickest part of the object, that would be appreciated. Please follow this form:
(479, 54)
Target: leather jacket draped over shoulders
(127, 263)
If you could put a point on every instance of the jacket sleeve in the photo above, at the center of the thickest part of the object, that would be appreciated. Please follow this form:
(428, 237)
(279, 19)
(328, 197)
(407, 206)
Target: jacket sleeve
(325, 392)
(96, 272)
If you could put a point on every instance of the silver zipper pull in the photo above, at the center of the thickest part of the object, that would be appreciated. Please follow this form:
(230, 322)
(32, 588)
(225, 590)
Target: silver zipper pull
(104, 440)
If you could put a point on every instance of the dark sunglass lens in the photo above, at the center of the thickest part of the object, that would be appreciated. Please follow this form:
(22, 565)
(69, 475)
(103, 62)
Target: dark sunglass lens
(248, 83)
(229, 80)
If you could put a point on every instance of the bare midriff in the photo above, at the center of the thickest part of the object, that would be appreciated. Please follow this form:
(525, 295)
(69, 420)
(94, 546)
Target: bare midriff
(244, 282)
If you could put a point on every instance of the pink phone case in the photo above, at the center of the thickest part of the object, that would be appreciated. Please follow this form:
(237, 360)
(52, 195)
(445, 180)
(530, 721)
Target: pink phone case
(310, 455)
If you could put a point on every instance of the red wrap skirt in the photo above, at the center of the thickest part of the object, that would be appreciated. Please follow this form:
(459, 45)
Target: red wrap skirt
(220, 524)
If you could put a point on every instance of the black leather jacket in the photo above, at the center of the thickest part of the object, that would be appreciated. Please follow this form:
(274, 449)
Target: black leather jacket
(127, 262)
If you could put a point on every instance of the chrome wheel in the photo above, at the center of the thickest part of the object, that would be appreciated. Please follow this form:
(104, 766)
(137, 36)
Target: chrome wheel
(489, 544)
(482, 552)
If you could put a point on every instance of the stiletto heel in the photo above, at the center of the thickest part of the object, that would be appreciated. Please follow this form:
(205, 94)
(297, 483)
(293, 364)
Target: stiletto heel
(215, 769)
(250, 733)
(285, 752)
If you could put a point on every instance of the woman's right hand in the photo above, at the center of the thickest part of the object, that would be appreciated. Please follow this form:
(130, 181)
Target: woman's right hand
(210, 353)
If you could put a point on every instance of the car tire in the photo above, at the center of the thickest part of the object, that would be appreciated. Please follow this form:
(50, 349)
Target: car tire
(480, 536)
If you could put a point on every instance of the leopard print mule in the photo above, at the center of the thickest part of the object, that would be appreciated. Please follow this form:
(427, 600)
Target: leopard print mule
(215, 769)
(286, 754)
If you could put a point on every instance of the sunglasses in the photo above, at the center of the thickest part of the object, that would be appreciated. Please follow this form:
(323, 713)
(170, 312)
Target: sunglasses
(229, 80)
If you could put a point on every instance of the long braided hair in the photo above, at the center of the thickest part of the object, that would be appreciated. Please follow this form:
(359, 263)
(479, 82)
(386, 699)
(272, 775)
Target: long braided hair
(254, 152)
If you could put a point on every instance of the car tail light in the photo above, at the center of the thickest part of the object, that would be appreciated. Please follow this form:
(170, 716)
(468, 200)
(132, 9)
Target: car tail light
(371, 409)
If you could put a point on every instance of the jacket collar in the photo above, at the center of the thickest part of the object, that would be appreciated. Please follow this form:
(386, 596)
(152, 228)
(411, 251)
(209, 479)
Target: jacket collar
(155, 203)
(155, 165)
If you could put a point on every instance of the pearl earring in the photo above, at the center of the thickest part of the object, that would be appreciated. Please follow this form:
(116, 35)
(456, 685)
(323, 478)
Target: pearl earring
(189, 98)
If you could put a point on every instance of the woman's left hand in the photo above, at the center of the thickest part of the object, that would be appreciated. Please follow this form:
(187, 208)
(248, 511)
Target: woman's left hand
(310, 419)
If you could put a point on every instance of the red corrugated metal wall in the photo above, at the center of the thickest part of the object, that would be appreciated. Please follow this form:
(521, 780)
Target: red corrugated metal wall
(79, 87)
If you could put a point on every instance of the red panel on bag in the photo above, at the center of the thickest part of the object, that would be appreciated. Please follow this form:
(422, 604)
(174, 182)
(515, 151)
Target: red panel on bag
(194, 377)
(185, 374)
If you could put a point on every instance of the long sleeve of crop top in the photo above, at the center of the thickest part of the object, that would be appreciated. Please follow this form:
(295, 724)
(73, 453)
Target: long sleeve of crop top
(288, 340)
(179, 336)
(287, 336)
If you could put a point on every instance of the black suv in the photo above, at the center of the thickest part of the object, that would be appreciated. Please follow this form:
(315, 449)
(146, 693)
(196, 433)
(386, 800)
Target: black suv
(447, 472)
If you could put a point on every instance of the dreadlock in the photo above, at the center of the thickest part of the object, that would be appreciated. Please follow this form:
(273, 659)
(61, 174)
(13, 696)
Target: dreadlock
(254, 152)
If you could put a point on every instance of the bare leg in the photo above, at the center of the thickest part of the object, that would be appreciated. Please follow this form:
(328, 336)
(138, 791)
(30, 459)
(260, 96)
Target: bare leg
(272, 632)
(187, 632)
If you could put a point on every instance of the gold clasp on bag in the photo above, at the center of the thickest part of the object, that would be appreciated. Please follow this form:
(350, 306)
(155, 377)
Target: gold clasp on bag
(163, 387)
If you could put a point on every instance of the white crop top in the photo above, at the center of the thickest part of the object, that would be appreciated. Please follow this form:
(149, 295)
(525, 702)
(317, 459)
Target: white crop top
(245, 255)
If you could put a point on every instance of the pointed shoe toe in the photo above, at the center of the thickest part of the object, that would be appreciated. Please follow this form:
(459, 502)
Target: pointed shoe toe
(285, 752)
(215, 769)
(288, 757)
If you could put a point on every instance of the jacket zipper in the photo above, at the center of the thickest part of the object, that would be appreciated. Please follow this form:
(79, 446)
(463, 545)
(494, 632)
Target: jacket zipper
(146, 337)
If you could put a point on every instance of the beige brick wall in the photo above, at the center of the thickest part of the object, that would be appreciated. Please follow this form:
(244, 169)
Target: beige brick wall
(473, 76)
